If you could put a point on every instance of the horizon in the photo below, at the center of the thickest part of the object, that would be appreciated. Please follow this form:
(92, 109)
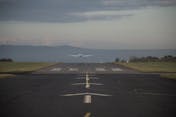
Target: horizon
(79, 47)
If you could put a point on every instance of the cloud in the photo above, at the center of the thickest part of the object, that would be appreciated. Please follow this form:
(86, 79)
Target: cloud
(138, 3)
(103, 15)
(149, 28)
(71, 10)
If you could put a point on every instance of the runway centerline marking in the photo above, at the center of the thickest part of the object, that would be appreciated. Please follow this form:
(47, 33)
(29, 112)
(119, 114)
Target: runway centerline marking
(87, 96)
(87, 99)
(87, 82)
(87, 114)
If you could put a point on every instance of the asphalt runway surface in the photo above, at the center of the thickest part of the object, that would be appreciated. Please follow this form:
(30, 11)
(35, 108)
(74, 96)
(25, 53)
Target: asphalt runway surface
(78, 68)
(85, 94)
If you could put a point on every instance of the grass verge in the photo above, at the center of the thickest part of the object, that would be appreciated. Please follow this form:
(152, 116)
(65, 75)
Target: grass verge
(6, 75)
(155, 67)
(21, 67)
(169, 75)
(165, 69)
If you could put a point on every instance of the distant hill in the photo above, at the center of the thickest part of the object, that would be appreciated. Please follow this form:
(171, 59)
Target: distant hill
(61, 53)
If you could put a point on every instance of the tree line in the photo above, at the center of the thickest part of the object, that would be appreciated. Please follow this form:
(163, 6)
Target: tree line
(6, 60)
(168, 58)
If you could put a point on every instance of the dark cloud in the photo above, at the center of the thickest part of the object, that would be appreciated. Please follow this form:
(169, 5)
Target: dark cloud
(63, 10)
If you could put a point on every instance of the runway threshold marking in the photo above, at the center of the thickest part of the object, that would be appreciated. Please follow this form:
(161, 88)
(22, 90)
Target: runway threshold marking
(100, 69)
(116, 69)
(73, 69)
(56, 69)
(88, 114)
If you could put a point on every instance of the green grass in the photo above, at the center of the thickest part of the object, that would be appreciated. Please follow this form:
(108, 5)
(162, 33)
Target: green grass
(169, 75)
(6, 75)
(21, 67)
(165, 67)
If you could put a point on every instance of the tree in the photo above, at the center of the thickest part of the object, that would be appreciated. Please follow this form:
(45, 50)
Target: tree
(6, 60)
(117, 60)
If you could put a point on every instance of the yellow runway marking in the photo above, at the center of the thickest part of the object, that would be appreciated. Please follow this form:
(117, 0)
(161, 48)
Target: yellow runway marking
(87, 114)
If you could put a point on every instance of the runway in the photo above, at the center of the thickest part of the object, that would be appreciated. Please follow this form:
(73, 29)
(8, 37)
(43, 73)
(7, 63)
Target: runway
(78, 68)
(87, 94)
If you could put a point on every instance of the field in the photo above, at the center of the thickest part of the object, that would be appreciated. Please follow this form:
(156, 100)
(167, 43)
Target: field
(166, 69)
(21, 67)
(6, 75)
(152, 66)
(169, 75)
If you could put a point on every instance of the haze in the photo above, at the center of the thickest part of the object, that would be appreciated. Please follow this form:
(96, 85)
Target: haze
(99, 24)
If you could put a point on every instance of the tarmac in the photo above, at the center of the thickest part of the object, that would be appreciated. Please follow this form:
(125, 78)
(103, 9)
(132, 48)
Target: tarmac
(87, 90)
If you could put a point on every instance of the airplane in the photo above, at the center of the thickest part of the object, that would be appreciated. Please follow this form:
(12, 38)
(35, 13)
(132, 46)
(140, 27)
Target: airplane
(81, 55)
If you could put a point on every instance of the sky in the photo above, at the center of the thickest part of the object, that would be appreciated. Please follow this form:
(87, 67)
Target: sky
(99, 24)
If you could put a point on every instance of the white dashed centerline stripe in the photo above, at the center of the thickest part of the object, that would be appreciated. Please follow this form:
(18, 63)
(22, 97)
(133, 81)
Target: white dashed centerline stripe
(87, 82)
(87, 99)
(88, 114)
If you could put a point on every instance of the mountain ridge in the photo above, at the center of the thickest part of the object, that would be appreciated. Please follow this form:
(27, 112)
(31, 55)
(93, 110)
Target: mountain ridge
(61, 53)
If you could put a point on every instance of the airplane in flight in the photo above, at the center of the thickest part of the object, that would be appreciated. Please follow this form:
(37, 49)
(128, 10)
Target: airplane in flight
(81, 55)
